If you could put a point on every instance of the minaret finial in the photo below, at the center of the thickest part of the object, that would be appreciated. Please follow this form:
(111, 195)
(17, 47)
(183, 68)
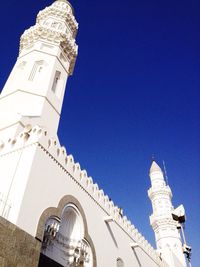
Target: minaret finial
(155, 167)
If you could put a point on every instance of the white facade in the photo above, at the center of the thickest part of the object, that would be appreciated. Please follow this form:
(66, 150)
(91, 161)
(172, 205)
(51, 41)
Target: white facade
(32, 187)
(42, 189)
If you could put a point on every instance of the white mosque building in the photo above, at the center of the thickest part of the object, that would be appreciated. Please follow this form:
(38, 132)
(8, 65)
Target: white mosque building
(51, 210)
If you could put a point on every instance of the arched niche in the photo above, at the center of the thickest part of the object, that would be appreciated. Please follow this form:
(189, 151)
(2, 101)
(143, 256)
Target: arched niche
(71, 225)
(65, 235)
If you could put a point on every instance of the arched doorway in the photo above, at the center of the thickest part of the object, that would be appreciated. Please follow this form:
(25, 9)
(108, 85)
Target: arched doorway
(64, 243)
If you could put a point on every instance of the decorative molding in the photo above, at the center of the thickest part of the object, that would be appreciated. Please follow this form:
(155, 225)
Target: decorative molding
(60, 12)
(154, 192)
(159, 222)
(55, 25)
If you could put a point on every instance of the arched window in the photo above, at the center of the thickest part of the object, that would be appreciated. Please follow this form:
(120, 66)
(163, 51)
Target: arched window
(56, 81)
(36, 70)
(120, 263)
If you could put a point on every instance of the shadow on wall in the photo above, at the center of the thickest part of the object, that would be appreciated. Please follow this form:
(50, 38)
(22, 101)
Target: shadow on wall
(177, 263)
(47, 262)
(111, 233)
(136, 256)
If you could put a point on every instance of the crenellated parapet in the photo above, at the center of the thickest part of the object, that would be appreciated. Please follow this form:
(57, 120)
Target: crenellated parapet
(37, 136)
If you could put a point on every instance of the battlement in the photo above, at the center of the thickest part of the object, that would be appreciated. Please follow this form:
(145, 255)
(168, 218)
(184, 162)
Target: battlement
(40, 137)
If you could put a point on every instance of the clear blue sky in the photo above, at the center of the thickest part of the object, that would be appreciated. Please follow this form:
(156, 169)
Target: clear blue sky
(134, 93)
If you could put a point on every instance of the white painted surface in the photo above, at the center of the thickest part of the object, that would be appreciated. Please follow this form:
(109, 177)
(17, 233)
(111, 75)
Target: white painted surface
(45, 174)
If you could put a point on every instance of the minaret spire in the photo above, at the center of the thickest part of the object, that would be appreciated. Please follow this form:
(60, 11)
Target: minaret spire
(36, 86)
(168, 239)
(155, 167)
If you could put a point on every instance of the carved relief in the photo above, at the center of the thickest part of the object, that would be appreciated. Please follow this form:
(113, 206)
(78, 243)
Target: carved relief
(55, 24)
(51, 229)
(60, 13)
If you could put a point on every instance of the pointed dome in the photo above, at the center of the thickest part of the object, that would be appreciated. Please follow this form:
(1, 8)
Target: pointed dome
(154, 167)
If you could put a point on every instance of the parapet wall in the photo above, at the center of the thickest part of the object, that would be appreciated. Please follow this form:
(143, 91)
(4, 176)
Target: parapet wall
(51, 146)
(17, 248)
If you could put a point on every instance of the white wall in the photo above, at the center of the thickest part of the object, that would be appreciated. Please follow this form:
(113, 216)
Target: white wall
(43, 177)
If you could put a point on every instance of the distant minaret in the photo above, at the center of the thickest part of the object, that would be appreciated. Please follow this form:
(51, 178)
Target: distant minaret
(168, 239)
(35, 88)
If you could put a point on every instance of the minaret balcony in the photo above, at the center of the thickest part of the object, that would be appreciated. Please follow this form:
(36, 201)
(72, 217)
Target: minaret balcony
(162, 221)
(165, 190)
(36, 33)
(61, 13)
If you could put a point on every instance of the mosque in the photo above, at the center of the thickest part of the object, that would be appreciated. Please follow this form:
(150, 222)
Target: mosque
(51, 211)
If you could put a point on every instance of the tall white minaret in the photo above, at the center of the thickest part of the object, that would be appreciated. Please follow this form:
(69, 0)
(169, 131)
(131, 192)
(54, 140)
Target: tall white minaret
(35, 88)
(168, 239)
(33, 97)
